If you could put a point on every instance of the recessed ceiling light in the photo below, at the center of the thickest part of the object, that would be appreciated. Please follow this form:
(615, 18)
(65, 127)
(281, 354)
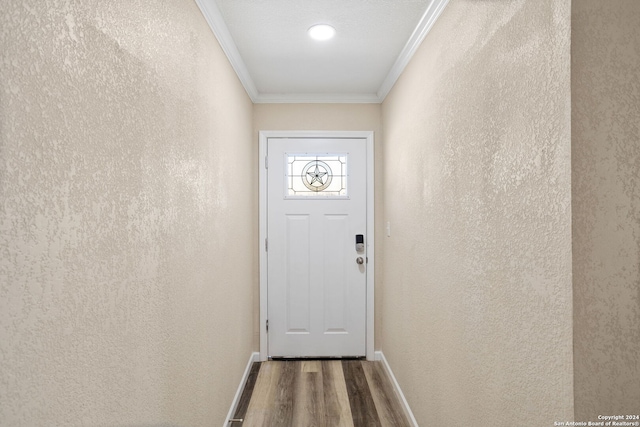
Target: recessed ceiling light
(321, 32)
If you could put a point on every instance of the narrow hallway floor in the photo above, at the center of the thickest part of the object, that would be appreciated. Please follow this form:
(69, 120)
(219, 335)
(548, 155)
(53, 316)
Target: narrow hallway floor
(319, 393)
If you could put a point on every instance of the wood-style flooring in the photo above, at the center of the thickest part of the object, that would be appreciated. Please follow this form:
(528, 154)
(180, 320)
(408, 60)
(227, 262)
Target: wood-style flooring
(319, 393)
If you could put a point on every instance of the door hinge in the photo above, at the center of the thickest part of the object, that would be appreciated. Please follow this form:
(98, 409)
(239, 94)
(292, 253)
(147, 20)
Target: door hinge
(266, 245)
(266, 162)
(267, 325)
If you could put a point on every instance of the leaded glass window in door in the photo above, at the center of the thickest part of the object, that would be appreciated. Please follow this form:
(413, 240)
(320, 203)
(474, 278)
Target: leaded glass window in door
(316, 175)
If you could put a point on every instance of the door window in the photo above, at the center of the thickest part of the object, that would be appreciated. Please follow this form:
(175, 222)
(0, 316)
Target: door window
(316, 175)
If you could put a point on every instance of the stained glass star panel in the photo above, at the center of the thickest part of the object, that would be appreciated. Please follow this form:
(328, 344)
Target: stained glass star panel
(316, 175)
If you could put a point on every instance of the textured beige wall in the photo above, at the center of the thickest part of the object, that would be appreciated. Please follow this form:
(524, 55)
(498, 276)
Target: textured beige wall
(477, 319)
(351, 117)
(606, 206)
(124, 220)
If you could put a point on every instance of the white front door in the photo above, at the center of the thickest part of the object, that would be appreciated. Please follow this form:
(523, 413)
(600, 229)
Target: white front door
(316, 274)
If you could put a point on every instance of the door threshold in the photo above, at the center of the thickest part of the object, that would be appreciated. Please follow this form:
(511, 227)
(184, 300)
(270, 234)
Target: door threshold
(307, 358)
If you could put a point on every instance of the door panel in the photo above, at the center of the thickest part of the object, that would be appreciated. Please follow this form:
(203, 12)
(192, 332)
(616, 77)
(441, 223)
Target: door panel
(298, 274)
(335, 287)
(316, 204)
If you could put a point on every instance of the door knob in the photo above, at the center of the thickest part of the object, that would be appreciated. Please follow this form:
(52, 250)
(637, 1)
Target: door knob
(360, 260)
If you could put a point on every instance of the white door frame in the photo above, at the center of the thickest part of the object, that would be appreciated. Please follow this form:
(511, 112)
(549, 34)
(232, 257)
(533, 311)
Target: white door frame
(370, 239)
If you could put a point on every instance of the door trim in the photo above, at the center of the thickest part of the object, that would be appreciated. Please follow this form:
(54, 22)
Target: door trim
(370, 304)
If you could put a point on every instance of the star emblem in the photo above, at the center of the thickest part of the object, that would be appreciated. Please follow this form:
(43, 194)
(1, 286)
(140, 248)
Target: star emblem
(316, 175)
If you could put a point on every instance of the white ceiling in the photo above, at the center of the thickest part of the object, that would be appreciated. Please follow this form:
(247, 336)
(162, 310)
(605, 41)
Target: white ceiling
(268, 46)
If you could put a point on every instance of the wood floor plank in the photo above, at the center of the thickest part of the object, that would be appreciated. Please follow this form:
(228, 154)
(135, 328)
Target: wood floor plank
(336, 398)
(387, 404)
(247, 391)
(311, 365)
(261, 405)
(308, 407)
(363, 409)
(283, 405)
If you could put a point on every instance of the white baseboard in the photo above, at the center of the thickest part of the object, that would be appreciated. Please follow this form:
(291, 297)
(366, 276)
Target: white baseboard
(255, 357)
(396, 388)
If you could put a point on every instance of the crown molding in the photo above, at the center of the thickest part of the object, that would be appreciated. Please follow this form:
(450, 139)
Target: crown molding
(424, 26)
(317, 98)
(212, 15)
